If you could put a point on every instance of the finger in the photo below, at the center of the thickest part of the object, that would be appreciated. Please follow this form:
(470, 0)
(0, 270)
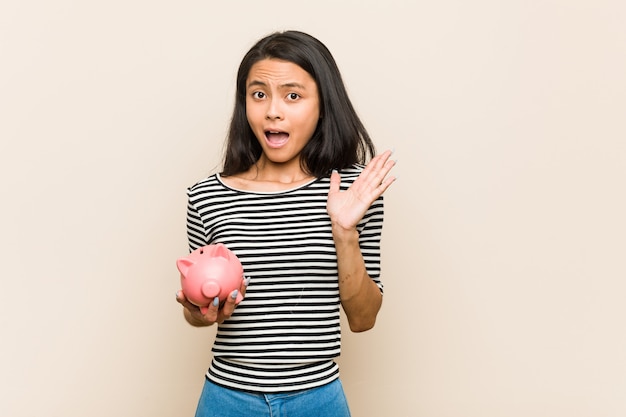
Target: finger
(244, 286)
(389, 164)
(335, 181)
(229, 304)
(380, 159)
(181, 299)
(371, 172)
(385, 184)
(383, 162)
(184, 301)
(210, 315)
(381, 169)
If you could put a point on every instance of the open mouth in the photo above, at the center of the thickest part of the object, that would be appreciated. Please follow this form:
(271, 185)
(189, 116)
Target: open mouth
(276, 138)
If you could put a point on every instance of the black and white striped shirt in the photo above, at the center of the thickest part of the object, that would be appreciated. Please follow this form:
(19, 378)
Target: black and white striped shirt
(285, 334)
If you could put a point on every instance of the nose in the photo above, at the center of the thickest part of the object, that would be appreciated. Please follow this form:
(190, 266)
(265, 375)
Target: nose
(273, 111)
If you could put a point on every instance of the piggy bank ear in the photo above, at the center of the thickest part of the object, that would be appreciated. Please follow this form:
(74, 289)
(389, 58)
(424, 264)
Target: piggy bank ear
(184, 264)
(219, 250)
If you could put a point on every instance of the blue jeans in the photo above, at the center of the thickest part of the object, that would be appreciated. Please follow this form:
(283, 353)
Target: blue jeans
(326, 401)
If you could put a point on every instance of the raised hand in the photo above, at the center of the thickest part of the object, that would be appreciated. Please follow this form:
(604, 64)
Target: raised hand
(347, 208)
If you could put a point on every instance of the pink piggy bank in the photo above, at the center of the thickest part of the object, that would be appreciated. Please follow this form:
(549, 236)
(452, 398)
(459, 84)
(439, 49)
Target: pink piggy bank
(208, 272)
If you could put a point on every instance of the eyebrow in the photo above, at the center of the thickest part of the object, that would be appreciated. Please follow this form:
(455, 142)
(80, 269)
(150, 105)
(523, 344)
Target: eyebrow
(255, 83)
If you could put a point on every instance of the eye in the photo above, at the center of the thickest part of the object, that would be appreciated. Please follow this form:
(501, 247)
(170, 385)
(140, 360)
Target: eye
(258, 95)
(293, 96)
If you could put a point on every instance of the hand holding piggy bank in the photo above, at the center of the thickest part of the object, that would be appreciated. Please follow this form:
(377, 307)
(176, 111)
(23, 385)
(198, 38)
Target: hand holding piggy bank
(208, 272)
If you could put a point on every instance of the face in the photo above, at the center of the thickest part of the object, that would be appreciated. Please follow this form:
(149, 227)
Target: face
(282, 107)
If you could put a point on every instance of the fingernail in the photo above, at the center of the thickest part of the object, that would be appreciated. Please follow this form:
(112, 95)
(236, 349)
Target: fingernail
(234, 294)
(216, 301)
(177, 294)
(246, 281)
(334, 171)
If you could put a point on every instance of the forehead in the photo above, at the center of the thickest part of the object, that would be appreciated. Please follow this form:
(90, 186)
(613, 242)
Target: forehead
(272, 70)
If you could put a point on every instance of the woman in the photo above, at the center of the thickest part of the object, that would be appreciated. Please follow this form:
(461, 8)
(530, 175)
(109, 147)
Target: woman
(296, 204)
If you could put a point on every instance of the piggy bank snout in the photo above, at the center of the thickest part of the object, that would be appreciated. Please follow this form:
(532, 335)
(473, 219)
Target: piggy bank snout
(210, 289)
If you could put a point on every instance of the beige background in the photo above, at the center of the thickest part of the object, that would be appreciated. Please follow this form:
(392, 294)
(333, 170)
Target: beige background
(505, 234)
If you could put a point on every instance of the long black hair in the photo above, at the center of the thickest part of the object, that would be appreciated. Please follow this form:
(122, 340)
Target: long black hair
(339, 140)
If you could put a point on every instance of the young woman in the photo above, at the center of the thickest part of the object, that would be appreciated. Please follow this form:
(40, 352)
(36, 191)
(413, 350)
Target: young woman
(304, 215)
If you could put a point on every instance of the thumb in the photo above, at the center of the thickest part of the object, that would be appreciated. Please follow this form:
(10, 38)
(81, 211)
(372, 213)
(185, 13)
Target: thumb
(335, 181)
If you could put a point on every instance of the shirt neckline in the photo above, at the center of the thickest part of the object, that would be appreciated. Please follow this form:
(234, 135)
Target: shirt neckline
(218, 176)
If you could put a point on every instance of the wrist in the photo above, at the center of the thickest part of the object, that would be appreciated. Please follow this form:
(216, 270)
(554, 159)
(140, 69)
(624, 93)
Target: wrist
(193, 320)
(343, 234)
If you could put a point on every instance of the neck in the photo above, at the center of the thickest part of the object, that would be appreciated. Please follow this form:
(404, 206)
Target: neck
(287, 173)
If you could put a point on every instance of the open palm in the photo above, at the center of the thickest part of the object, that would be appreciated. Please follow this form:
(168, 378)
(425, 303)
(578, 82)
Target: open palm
(347, 208)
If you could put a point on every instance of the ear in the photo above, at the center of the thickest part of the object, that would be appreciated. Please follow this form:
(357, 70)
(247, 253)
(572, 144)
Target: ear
(184, 264)
(221, 251)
